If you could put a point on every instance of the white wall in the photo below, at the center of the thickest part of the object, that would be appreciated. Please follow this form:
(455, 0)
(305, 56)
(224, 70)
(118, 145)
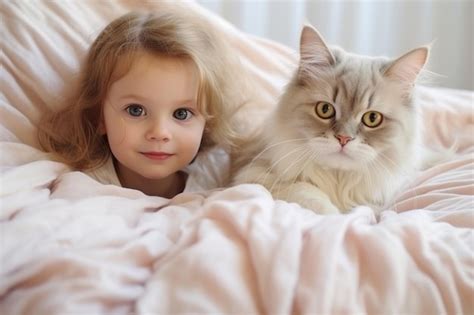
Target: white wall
(388, 28)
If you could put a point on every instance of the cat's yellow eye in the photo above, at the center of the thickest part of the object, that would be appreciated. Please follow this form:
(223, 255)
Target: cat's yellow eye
(372, 119)
(325, 110)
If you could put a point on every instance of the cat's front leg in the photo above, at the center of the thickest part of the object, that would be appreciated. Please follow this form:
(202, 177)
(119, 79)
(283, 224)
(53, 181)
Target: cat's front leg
(306, 195)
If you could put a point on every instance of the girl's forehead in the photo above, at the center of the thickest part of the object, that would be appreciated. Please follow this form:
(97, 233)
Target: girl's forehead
(158, 76)
(143, 58)
(161, 78)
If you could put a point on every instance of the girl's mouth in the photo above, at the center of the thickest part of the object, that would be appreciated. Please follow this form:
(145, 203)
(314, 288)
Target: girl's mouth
(157, 155)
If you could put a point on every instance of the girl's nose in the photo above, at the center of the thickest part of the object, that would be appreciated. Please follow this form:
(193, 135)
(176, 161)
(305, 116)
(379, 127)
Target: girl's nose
(158, 131)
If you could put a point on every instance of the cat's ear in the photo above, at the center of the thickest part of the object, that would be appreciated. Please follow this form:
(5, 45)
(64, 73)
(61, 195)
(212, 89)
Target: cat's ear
(407, 68)
(313, 49)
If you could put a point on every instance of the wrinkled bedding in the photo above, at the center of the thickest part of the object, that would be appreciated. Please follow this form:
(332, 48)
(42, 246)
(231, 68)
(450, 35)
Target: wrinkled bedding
(70, 245)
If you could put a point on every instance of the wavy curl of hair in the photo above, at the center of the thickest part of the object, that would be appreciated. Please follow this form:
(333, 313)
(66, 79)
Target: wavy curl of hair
(73, 133)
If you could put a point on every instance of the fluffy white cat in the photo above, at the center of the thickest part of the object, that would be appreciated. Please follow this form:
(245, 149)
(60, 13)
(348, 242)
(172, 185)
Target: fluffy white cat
(344, 133)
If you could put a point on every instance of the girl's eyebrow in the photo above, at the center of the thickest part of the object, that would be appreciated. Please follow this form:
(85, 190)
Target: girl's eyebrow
(133, 96)
(189, 101)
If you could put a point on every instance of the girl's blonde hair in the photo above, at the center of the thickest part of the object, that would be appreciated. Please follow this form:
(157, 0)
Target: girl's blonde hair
(73, 133)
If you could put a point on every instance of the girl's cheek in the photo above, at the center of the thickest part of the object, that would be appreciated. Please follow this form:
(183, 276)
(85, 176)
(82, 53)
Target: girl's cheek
(118, 135)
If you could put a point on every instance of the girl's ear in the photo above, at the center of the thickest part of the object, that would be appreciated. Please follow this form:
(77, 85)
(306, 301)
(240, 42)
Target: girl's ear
(101, 127)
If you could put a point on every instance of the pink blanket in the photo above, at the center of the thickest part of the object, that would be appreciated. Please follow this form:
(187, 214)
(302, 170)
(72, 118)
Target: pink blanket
(70, 245)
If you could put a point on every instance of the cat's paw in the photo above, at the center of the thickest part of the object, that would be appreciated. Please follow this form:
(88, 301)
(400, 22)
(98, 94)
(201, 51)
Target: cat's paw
(308, 196)
(320, 206)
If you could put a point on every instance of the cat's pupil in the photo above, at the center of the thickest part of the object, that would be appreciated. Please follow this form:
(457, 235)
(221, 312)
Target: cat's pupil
(325, 108)
(372, 117)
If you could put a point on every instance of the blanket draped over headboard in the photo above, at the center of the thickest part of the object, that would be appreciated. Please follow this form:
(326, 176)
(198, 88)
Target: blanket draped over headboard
(69, 245)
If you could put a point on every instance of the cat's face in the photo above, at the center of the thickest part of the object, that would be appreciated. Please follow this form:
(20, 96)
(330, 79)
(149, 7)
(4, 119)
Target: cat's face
(350, 109)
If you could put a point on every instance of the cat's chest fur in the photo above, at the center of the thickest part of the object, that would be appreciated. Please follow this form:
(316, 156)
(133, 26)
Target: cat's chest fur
(346, 189)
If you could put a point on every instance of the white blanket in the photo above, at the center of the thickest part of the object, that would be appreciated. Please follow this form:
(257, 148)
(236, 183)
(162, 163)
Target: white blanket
(70, 245)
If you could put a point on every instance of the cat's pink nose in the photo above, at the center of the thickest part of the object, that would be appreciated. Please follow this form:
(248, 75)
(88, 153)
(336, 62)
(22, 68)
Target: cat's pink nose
(343, 139)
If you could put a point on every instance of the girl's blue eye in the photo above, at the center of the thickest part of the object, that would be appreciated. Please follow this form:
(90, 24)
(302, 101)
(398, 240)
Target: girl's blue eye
(135, 110)
(182, 114)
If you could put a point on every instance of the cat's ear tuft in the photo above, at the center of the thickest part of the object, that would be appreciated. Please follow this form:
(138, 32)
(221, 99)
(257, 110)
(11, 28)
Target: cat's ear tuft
(313, 49)
(407, 68)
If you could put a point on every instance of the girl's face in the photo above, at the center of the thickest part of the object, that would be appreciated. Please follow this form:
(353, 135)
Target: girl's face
(151, 118)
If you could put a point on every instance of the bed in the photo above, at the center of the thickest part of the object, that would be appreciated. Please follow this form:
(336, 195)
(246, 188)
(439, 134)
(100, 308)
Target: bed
(70, 245)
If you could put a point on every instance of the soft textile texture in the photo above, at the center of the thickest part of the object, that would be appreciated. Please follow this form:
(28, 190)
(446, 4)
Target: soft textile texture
(70, 245)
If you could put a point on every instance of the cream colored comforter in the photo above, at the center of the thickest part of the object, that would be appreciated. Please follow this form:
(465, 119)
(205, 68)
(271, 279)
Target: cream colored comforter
(70, 245)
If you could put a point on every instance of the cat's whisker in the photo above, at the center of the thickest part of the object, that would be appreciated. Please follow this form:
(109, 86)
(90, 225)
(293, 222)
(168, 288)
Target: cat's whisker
(268, 148)
(282, 174)
(399, 168)
(274, 145)
(296, 162)
(311, 158)
(388, 159)
(377, 165)
(269, 170)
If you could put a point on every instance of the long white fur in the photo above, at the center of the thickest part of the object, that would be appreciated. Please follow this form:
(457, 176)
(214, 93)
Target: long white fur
(297, 166)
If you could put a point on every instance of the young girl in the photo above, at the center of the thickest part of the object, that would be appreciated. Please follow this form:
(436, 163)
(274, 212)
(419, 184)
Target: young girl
(156, 88)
